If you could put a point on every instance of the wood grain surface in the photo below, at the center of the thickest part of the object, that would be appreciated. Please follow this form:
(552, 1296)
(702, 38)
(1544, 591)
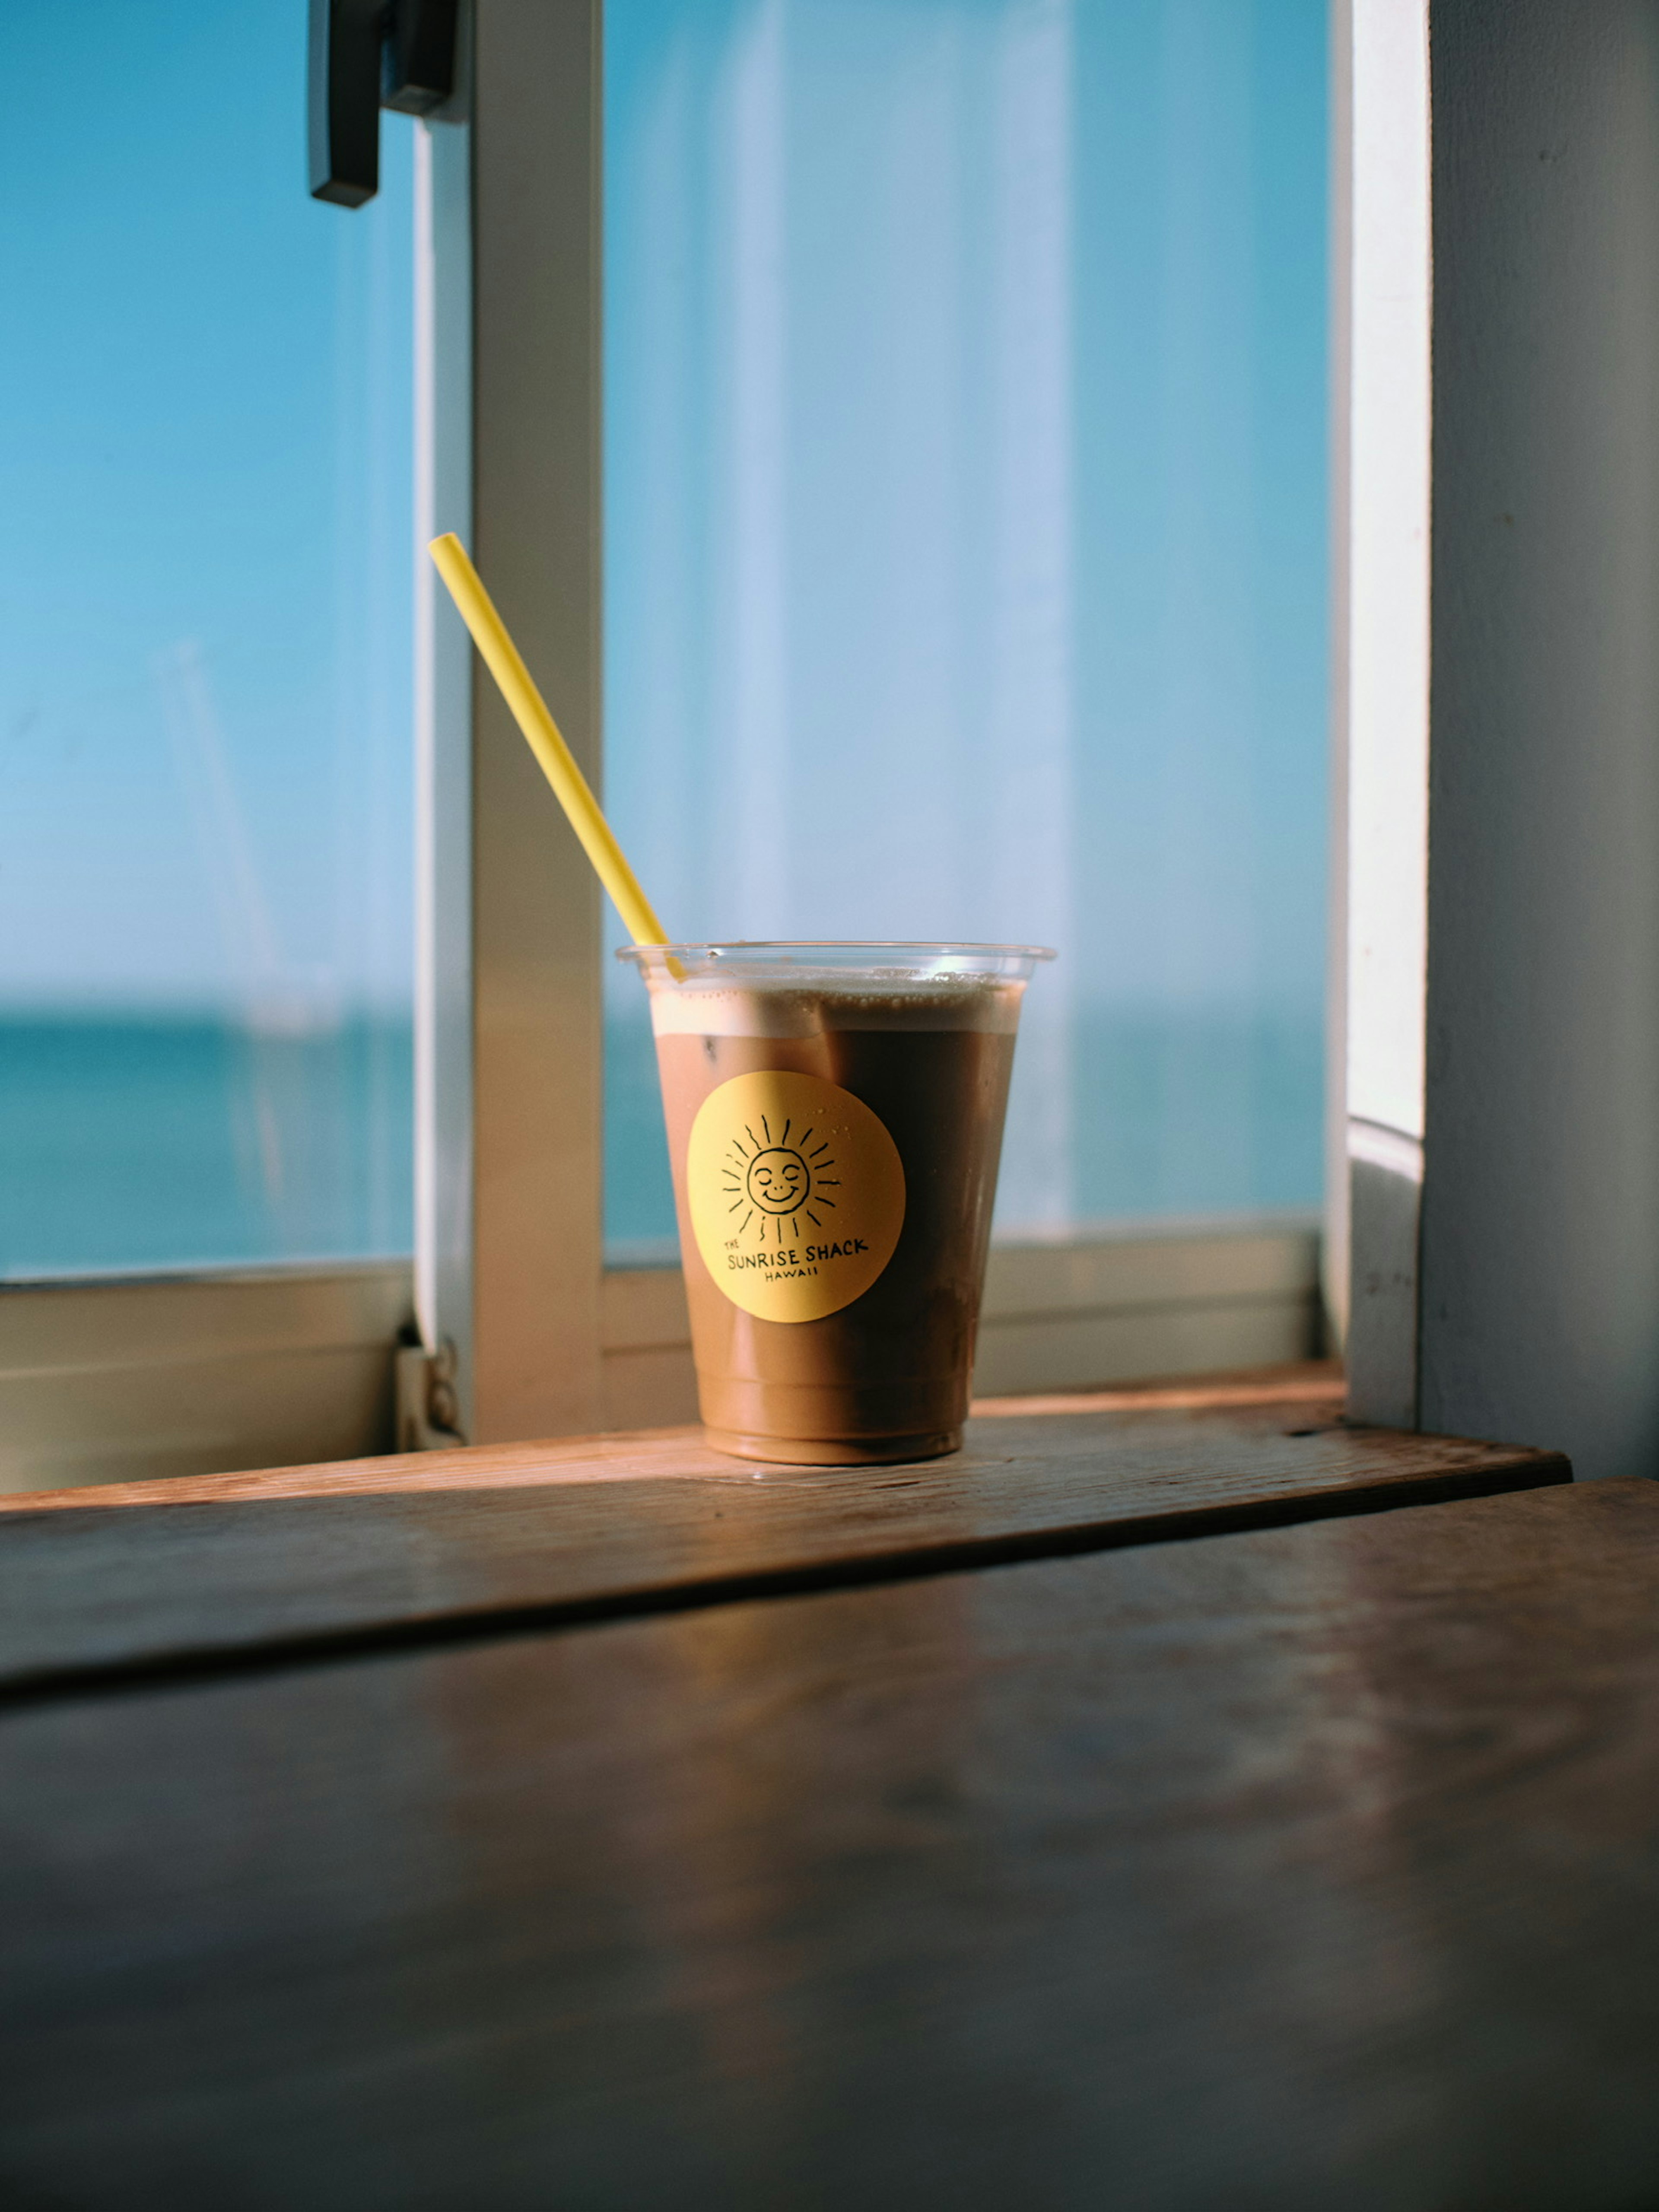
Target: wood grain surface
(535, 1533)
(1314, 1868)
(621, 1454)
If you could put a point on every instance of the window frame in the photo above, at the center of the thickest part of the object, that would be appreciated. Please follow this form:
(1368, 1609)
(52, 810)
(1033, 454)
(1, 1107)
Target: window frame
(543, 1339)
(525, 1331)
(122, 1379)
(119, 1378)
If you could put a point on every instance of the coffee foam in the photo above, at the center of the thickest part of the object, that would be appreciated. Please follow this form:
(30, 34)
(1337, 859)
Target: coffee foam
(799, 1009)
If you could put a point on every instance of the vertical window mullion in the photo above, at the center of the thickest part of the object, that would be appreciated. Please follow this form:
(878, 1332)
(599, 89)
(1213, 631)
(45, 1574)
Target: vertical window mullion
(509, 1234)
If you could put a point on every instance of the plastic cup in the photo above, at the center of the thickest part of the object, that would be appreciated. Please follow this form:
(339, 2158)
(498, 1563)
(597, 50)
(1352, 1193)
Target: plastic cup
(835, 1117)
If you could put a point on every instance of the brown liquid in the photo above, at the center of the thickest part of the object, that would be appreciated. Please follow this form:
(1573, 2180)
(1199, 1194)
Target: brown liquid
(887, 1377)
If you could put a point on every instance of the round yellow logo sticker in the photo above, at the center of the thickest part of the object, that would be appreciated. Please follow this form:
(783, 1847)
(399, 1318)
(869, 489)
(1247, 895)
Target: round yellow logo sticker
(796, 1193)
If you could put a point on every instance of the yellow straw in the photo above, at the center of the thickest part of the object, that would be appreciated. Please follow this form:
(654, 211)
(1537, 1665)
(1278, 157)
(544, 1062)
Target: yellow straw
(502, 658)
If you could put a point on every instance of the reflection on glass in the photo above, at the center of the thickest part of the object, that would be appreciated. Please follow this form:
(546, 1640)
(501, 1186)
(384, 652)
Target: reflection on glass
(965, 433)
(205, 955)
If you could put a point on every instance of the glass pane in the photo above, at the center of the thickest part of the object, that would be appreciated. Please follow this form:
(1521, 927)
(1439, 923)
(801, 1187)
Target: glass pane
(966, 421)
(205, 936)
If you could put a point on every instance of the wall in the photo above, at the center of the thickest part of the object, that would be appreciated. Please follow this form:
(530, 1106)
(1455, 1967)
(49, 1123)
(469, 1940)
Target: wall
(1539, 1243)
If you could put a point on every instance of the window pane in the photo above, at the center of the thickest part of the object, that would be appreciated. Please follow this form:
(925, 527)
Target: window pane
(205, 955)
(965, 392)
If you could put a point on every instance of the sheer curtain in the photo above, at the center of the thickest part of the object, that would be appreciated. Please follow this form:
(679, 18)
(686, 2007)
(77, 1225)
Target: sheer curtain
(966, 545)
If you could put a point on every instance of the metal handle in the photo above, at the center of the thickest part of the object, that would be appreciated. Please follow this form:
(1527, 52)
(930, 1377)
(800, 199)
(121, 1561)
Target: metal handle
(365, 55)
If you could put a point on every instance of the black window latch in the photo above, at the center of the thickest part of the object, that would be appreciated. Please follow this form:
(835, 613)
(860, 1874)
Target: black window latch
(366, 55)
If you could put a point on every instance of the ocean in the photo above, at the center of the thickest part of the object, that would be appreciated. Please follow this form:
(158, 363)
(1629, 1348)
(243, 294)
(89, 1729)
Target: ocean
(1118, 1115)
(130, 1143)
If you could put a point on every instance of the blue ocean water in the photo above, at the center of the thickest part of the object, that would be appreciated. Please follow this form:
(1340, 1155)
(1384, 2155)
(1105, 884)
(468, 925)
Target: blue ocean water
(1171, 1113)
(145, 1141)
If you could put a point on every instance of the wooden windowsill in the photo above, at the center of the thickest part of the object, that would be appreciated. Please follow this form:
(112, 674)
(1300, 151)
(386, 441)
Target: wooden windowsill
(198, 1573)
(634, 1454)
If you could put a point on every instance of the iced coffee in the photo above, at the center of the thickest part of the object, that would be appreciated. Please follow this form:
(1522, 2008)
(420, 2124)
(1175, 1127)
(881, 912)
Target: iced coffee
(835, 1117)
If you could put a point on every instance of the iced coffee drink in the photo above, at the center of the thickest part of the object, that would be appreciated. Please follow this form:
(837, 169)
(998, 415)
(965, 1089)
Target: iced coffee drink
(834, 1116)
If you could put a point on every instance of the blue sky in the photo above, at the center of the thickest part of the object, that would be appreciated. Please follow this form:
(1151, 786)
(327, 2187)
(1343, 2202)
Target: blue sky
(966, 452)
(205, 384)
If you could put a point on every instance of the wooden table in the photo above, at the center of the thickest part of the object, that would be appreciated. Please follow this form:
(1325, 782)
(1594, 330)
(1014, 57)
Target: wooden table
(1306, 1865)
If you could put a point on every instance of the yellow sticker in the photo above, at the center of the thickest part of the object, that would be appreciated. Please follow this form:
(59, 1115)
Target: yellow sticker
(796, 1193)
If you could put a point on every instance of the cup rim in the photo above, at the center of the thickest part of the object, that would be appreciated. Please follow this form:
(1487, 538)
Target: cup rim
(893, 948)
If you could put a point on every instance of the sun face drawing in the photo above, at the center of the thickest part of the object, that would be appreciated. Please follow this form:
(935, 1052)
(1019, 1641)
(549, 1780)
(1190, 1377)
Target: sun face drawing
(795, 1190)
(778, 1180)
(770, 1179)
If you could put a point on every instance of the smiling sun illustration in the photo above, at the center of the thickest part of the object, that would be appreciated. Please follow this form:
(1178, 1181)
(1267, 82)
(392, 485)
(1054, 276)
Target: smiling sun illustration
(796, 1193)
(770, 1179)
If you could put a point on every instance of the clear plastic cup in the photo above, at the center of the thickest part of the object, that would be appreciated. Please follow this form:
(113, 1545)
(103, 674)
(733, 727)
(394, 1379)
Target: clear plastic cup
(834, 1118)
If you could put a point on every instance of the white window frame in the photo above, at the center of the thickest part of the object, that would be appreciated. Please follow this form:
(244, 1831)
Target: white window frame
(525, 1331)
(1382, 406)
(539, 1337)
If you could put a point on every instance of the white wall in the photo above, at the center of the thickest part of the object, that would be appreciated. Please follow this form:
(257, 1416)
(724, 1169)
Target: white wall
(1540, 1242)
